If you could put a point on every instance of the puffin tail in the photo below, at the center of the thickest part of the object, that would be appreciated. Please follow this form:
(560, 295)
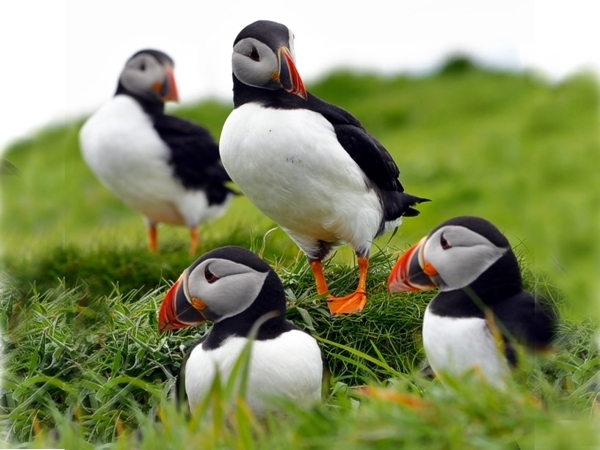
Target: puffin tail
(410, 201)
(399, 204)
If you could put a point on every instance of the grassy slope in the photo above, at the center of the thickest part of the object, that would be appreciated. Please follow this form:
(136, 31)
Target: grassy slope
(510, 148)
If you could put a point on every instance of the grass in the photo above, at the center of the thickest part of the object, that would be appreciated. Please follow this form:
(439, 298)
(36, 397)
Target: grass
(511, 148)
(85, 367)
(84, 373)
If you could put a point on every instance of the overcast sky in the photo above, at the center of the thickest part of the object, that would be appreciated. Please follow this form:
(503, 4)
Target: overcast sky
(62, 58)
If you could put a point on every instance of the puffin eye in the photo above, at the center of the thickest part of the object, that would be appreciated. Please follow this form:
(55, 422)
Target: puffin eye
(254, 54)
(143, 67)
(210, 277)
(444, 243)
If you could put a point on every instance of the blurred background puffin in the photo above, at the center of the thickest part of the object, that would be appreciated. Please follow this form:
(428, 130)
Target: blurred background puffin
(167, 168)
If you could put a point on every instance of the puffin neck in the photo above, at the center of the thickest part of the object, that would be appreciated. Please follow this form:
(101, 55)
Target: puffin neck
(241, 324)
(501, 281)
(152, 108)
(271, 98)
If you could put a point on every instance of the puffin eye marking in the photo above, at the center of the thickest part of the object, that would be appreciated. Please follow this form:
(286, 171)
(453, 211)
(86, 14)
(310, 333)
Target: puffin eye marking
(210, 277)
(143, 67)
(444, 243)
(254, 54)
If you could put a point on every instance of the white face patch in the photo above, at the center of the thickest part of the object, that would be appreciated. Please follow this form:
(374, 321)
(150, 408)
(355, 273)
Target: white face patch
(225, 287)
(141, 73)
(254, 63)
(460, 255)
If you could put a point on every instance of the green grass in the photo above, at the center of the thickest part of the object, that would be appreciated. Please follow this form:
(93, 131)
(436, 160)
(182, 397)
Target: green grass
(511, 148)
(83, 370)
(85, 367)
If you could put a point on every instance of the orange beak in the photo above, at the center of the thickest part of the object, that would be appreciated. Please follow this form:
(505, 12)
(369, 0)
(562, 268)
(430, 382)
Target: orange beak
(412, 274)
(168, 89)
(172, 92)
(288, 75)
(176, 311)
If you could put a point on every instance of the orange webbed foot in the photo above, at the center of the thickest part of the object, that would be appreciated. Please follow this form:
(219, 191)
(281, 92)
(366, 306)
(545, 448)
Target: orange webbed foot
(350, 304)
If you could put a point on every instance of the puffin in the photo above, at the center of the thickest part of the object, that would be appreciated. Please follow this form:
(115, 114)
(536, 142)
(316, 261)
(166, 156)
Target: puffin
(481, 310)
(167, 168)
(235, 289)
(308, 165)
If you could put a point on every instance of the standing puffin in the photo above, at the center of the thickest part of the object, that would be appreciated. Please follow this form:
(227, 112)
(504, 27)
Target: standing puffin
(167, 168)
(307, 164)
(234, 288)
(481, 308)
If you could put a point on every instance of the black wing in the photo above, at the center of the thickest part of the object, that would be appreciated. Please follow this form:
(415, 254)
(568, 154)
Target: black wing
(371, 156)
(522, 318)
(194, 153)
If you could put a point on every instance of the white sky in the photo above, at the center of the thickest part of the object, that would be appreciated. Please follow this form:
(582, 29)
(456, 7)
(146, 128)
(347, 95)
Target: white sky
(62, 58)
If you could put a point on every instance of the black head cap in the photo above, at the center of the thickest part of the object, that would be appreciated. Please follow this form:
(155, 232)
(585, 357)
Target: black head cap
(237, 254)
(273, 34)
(161, 57)
(480, 226)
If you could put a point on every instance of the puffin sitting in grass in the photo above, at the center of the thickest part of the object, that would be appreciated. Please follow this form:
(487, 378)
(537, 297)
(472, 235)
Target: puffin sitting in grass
(165, 167)
(236, 290)
(307, 164)
(481, 310)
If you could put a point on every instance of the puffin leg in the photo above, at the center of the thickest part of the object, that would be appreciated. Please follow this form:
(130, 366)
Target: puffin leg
(153, 237)
(317, 267)
(355, 302)
(195, 240)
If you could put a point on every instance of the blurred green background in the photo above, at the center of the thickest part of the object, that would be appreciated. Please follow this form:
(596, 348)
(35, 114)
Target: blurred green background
(83, 353)
(513, 148)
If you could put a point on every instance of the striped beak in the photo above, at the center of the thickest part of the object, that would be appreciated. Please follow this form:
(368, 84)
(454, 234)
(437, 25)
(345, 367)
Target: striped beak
(288, 75)
(411, 272)
(167, 90)
(177, 311)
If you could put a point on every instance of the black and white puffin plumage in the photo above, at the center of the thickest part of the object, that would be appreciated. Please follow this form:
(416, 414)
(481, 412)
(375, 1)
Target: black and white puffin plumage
(482, 309)
(307, 164)
(234, 288)
(165, 167)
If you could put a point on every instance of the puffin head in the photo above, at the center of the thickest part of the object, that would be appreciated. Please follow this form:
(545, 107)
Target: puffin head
(263, 57)
(453, 256)
(149, 74)
(228, 282)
